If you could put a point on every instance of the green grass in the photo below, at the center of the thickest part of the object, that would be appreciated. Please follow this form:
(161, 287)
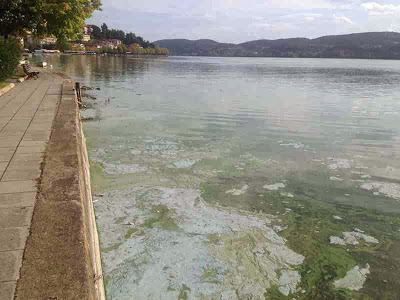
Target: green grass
(3, 84)
(20, 72)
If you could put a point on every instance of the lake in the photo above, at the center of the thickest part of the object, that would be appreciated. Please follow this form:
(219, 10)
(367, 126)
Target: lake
(244, 178)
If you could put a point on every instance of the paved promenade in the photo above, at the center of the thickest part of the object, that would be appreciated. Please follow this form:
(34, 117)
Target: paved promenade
(26, 116)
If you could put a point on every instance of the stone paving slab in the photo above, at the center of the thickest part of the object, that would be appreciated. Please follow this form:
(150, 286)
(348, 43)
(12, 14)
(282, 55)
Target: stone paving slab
(7, 290)
(15, 217)
(13, 238)
(26, 117)
(30, 149)
(21, 174)
(17, 200)
(10, 265)
(8, 187)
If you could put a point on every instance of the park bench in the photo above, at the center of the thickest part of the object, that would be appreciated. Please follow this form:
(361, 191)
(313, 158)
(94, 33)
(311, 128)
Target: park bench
(27, 71)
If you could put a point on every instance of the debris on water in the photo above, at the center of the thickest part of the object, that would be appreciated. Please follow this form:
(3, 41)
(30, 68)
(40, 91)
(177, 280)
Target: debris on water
(86, 119)
(274, 187)
(289, 195)
(334, 178)
(86, 96)
(361, 167)
(115, 169)
(238, 192)
(184, 163)
(337, 218)
(354, 279)
(340, 163)
(293, 144)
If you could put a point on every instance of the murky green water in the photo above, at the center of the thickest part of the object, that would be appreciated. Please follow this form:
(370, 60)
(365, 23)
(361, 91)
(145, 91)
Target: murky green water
(244, 178)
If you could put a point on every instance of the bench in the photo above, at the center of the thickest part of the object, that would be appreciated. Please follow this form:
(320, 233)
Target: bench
(27, 71)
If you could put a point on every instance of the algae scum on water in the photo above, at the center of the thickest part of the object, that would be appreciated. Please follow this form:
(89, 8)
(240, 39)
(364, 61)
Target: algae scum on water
(242, 227)
(239, 180)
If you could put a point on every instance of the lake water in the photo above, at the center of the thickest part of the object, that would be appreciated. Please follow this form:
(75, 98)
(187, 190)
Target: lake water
(244, 178)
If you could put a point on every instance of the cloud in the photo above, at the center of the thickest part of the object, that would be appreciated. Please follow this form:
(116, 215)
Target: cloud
(376, 9)
(275, 27)
(306, 17)
(243, 20)
(342, 20)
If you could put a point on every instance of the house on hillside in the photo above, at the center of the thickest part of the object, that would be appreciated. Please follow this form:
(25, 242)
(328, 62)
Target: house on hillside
(86, 38)
(88, 30)
(114, 42)
(48, 40)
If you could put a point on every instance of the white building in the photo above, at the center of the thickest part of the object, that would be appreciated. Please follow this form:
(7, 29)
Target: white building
(48, 41)
(86, 38)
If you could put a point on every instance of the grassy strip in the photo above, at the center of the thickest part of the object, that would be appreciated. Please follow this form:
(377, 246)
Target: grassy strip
(3, 84)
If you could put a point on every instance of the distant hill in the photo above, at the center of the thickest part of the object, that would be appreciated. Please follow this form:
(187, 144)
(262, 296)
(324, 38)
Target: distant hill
(385, 45)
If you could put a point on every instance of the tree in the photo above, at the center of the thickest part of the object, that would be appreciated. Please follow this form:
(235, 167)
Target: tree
(63, 19)
(96, 32)
(10, 54)
(104, 31)
(130, 38)
(122, 49)
(63, 45)
(17, 15)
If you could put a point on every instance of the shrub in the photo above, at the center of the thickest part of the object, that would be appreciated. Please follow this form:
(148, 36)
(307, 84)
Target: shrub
(10, 55)
(63, 45)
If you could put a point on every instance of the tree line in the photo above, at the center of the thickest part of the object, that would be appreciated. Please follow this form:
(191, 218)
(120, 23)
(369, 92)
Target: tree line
(130, 42)
(104, 33)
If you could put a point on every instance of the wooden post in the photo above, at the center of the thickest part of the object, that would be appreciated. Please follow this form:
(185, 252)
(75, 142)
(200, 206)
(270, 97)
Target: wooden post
(78, 93)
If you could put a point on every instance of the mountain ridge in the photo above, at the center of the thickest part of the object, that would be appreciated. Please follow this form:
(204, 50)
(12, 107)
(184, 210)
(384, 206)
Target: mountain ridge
(383, 45)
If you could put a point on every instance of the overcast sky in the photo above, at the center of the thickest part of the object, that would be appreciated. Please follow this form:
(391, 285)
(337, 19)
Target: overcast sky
(243, 20)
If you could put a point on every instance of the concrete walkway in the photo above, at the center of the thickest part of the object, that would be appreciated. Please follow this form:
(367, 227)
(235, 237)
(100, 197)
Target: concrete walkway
(26, 117)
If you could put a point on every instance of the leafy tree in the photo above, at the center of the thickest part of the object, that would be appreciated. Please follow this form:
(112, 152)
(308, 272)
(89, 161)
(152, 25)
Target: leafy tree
(104, 31)
(117, 34)
(17, 15)
(10, 54)
(63, 45)
(130, 38)
(122, 49)
(96, 32)
(64, 19)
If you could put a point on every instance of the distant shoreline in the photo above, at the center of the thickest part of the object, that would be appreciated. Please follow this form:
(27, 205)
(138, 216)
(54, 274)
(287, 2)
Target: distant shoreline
(210, 56)
(369, 45)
